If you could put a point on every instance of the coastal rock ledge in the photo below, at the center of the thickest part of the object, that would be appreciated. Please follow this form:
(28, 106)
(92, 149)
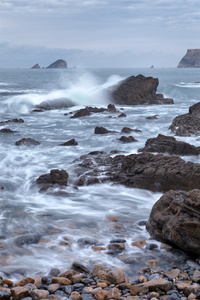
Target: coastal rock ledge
(175, 219)
(138, 90)
(191, 59)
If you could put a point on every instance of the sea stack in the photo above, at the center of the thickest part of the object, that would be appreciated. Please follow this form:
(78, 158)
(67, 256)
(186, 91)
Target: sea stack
(36, 66)
(58, 64)
(191, 59)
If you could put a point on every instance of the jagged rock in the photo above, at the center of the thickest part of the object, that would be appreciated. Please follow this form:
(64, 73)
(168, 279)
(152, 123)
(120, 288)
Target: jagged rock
(187, 124)
(54, 177)
(88, 110)
(36, 66)
(58, 64)
(146, 171)
(191, 59)
(175, 219)
(71, 142)
(12, 121)
(129, 130)
(168, 144)
(129, 139)
(27, 142)
(7, 130)
(138, 90)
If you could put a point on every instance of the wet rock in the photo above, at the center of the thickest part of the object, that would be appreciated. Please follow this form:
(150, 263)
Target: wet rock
(27, 142)
(196, 276)
(170, 145)
(175, 219)
(118, 247)
(126, 140)
(55, 176)
(5, 295)
(139, 244)
(100, 271)
(79, 267)
(187, 124)
(7, 130)
(152, 117)
(81, 113)
(115, 276)
(87, 241)
(39, 294)
(27, 239)
(122, 115)
(75, 296)
(12, 121)
(19, 292)
(129, 130)
(138, 90)
(101, 130)
(71, 142)
(25, 281)
(87, 111)
(113, 293)
(61, 280)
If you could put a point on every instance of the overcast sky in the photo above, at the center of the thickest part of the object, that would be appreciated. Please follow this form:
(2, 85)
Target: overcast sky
(98, 33)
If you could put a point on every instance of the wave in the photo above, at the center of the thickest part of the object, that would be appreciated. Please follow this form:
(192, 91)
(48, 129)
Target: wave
(82, 92)
(189, 85)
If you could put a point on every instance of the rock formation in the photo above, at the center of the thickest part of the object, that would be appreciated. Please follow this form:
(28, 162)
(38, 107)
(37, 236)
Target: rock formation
(175, 219)
(58, 64)
(36, 66)
(146, 171)
(168, 144)
(187, 124)
(191, 59)
(138, 90)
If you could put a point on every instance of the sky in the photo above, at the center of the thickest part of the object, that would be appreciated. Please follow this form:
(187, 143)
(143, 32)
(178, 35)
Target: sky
(98, 33)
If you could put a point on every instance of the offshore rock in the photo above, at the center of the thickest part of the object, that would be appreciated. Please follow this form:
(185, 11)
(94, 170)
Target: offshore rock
(71, 142)
(146, 171)
(88, 110)
(36, 66)
(58, 64)
(56, 176)
(175, 219)
(187, 124)
(191, 59)
(138, 90)
(27, 142)
(168, 144)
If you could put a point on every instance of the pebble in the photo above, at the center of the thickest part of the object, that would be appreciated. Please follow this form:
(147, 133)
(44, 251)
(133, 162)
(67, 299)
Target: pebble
(102, 283)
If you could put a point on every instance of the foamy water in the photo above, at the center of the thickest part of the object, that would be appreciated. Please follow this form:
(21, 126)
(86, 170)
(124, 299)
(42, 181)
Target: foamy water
(59, 218)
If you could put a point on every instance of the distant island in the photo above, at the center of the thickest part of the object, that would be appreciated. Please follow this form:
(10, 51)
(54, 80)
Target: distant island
(191, 59)
(58, 64)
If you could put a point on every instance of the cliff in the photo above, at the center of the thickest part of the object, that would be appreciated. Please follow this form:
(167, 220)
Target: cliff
(191, 59)
(58, 64)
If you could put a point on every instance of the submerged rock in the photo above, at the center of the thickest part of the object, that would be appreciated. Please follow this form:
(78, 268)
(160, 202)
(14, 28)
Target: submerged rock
(12, 121)
(27, 142)
(187, 124)
(175, 219)
(138, 90)
(168, 144)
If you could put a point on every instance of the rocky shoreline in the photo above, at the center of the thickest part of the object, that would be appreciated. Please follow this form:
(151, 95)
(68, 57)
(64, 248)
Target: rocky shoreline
(102, 283)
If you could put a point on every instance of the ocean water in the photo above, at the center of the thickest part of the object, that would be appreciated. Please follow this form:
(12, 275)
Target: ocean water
(59, 219)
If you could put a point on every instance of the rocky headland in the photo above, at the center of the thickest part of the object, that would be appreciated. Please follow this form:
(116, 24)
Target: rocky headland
(191, 59)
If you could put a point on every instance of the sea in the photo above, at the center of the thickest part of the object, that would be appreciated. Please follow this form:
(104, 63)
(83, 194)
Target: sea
(42, 230)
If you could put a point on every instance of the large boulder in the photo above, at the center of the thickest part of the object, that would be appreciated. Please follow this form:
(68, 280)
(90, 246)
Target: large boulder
(191, 59)
(187, 124)
(175, 219)
(55, 176)
(146, 171)
(168, 144)
(138, 90)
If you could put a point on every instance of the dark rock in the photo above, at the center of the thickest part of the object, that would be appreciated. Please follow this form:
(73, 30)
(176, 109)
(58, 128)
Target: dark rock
(54, 177)
(79, 267)
(129, 130)
(146, 171)
(152, 117)
(71, 142)
(81, 113)
(27, 239)
(118, 241)
(101, 130)
(12, 121)
(122, 115)
(5, 295)
(88, 297)
(129, 139)
(47, 280)
(88, 110)
(112, 108)
(27, 142)
(58, 64)
(87, 241)
(54, 272)
(138, 90)
(168, 144)
(68, 289)
(191, 59)
(175, 219)
(7, 130)
(187, 124)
